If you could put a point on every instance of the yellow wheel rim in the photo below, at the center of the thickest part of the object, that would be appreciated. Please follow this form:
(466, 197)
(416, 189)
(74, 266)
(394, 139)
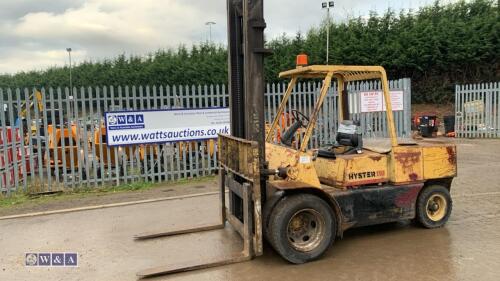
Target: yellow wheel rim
(306, 229)
(436, 207)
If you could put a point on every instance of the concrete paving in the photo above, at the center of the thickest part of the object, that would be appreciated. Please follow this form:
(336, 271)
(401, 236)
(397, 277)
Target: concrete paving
(467, 248)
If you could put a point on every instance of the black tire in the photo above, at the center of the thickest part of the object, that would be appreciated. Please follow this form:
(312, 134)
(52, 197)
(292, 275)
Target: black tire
(434, 206)
(267, 211)
(311, 212)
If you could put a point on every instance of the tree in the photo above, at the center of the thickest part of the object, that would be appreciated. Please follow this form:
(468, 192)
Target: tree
(436, 46)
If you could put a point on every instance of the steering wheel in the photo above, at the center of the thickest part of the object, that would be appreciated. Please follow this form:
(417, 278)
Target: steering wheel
(299, 116)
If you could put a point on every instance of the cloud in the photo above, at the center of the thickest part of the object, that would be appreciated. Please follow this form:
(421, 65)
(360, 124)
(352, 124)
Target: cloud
(35, 33)
(97, 29)
(13, 9)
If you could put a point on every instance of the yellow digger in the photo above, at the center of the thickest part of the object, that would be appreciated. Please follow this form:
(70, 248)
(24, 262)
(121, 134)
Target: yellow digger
(301, 200)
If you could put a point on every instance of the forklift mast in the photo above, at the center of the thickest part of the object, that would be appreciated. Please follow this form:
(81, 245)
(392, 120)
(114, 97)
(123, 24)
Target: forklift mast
(246, 69)
(241, 155)
(246, 53)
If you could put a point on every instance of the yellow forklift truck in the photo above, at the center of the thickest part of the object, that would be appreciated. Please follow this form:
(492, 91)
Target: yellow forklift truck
(319, 193)
(300, 200)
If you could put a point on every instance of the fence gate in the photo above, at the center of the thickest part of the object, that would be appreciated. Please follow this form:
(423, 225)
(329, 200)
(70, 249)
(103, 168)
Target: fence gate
(54, 139)
(477, 110)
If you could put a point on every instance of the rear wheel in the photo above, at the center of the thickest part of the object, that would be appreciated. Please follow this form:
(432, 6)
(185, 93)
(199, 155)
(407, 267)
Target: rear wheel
(301, 228)
(434, 206)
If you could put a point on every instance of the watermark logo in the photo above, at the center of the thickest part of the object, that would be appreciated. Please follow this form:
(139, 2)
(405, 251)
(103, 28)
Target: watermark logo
(70, 259)
(112, 120)
(57, 259)
(139, 118)
(51, 259)
(130, 119)
(125, 121)
(44, 259)
(31, 259)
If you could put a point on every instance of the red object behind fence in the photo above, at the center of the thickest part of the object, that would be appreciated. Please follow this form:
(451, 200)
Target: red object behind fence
(9, 157)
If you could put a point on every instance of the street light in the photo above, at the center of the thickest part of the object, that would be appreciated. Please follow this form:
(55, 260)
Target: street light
(210, 23)
(327, 6)
(70, 79)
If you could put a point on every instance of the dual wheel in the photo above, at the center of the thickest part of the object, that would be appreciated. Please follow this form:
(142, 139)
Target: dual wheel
(302, 227)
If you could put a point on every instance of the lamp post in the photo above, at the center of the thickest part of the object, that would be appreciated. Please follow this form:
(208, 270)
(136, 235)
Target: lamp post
(327, 6)
(210, 23)
(70, 80)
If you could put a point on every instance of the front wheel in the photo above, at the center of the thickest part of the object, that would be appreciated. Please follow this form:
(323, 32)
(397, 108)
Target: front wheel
(434, 206)
(301, 228)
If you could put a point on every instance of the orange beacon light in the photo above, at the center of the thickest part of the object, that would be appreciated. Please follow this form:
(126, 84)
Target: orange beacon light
(301, 60)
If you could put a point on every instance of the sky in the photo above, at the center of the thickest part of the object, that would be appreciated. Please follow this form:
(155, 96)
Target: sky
(34, 34)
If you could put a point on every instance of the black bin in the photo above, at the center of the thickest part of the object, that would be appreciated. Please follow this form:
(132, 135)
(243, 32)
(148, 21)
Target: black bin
(427, 125)
(449, 124)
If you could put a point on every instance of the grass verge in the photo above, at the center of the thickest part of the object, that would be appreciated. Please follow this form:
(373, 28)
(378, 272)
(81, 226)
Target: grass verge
(21, 197)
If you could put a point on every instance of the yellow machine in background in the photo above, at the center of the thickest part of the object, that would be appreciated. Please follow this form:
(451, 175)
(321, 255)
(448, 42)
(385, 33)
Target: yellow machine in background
(62, 143)
(149, 155)
(101, 152)
(30, 129)
(208, 144)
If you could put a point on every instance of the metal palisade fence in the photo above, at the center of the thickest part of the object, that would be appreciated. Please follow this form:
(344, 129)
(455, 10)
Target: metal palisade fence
(54, 139)
(477, 110)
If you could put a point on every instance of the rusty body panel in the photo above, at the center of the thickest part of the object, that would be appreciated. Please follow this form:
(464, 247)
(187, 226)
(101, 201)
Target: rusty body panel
(440, 161)
(353, 170)
(424, 161)
(406, 164)
(403, 165)
(300, 166)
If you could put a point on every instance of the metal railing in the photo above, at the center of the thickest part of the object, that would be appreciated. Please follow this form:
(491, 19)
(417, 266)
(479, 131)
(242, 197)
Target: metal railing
(477, 110)
(54, 144)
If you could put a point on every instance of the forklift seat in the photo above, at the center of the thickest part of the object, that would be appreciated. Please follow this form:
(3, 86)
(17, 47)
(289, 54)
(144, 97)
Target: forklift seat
(378, 145)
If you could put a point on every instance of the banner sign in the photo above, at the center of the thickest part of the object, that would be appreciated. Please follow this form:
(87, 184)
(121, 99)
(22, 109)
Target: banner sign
(374, 101)
(162, 126)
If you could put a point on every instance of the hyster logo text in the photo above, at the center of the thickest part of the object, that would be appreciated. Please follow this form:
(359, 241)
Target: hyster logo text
(366, 175)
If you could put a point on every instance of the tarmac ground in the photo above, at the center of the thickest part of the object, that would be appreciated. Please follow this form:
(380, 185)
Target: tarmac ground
(467, 248)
